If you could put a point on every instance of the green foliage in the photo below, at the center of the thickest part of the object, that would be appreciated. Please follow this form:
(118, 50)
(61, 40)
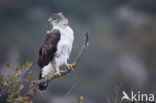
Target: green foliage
(75, 101)
(9, 65)
(13, 98)
(29, 78)
(12, 85)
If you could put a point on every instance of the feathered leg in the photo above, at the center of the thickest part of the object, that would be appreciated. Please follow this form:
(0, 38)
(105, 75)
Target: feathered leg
(44, 85)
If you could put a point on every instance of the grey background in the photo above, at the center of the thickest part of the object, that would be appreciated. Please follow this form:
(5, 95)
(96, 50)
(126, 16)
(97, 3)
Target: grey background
(122, 48)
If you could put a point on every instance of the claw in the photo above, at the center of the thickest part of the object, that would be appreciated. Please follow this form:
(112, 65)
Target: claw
(70, 66)
(59, 73)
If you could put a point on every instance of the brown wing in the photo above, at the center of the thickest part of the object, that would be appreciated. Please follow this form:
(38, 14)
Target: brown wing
(48, 48)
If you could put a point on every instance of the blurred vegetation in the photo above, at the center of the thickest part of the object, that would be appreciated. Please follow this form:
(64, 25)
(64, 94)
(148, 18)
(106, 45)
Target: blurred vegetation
(122, 45)
(12, 85)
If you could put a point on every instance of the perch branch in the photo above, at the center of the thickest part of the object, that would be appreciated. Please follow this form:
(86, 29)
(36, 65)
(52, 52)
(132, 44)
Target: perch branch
(34, 84)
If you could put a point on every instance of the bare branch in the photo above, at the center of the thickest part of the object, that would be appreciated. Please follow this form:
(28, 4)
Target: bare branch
(34, 84)
(3, 91)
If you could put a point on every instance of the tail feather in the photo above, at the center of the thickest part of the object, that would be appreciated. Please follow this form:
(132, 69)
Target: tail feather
(42, 86)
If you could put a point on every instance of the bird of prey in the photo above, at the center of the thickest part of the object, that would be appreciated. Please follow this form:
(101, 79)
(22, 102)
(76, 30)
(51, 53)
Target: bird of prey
(56, 48)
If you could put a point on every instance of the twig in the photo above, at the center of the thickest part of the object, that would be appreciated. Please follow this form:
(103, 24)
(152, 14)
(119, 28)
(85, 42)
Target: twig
(117, 90)
(3, 91)
(70, 90)
(35, 84)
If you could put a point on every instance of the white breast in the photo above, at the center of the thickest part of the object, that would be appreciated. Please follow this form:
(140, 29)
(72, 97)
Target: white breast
(62, 54)
(64, 45)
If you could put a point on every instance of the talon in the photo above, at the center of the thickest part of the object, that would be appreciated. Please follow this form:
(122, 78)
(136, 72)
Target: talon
(59, 73)
(70, 66)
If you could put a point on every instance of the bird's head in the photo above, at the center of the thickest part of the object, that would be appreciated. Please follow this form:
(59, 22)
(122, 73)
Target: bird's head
(57, 19)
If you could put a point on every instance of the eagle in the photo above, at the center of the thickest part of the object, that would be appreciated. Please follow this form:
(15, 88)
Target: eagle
(56, 48)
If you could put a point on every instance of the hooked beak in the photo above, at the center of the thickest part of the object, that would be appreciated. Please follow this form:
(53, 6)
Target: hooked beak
(49, 20)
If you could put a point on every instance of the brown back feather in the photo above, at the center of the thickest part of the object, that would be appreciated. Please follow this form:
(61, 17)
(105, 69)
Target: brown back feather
(48, 48)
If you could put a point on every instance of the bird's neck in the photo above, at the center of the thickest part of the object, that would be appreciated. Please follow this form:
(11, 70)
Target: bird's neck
(62, 26)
